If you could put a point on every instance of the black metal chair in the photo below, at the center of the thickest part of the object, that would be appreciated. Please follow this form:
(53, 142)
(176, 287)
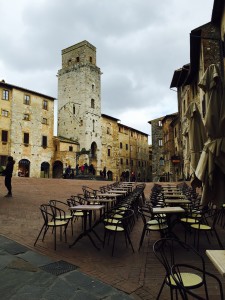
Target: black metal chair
(115, 223)
(151, 223)
(207, 224)
(186, 290)
(171, 252)
(63, 206)
(51, 220)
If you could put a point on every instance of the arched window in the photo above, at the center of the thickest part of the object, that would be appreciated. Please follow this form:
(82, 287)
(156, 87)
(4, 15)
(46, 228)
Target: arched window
(92, 103)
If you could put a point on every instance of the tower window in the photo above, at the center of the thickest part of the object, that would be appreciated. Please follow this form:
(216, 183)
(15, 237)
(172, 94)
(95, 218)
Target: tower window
(90, 59)
(26, 99)
(92, 103)
(44, 121)
(121, 145)
(26, 138)
(4, 136)
(93, 87)
(44, 141)
(109, 152)
(78, 59)
(45, 104)
(71, 148)
(26, 117)
(93, 125)
(74, 109)
(5, 95)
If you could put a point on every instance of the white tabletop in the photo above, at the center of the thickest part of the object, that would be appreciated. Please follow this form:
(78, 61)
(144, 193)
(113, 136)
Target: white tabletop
(101, 200)
(168, 210)
(108, 195)
(87, 207)
(177, 201)
(117, 191)
(174, 196)
(217, 257)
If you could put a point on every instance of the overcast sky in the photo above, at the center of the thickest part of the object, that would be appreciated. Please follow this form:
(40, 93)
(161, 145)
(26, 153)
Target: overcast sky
(140, 43)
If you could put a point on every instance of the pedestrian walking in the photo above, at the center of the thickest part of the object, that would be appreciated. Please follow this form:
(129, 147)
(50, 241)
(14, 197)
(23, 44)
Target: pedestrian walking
(8, 175)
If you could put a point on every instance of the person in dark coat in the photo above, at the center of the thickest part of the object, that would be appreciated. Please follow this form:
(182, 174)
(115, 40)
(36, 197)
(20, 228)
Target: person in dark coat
(8, 175)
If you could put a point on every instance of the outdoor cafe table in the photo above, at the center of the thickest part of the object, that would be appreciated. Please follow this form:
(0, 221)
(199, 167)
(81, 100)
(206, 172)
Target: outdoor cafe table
(169, 186)
(117, 191)
(108, 195)
(173, 196)
(171, 191)
(103, 201)
(169, 211)
(87, 210)
(177, 201)
(217, 257)
(128, 187)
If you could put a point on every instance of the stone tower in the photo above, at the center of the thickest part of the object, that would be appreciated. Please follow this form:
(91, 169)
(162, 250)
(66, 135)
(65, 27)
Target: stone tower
(79, 99)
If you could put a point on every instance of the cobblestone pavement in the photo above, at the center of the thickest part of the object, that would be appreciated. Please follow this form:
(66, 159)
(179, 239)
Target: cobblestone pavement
(137, 274)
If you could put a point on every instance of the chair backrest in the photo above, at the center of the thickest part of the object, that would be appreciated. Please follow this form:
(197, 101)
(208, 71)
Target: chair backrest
(89, 192)
(46, 212)
(128, 219)
(209, 215)
(171, 251)
(145, 214)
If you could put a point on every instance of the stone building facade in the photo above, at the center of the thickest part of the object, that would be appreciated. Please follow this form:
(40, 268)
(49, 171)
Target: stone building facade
(85, 135)
(158, 170)
(26, 124)
(79, 99)
(113, 146)
(205, 49)
(169, 147)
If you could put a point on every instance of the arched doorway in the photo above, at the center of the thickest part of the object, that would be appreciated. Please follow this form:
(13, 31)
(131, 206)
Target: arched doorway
(24, 168)
(93, 151)
(45, 167)
(57, 171)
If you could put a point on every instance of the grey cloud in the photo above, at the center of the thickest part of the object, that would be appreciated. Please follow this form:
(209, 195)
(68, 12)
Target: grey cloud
(139, 45)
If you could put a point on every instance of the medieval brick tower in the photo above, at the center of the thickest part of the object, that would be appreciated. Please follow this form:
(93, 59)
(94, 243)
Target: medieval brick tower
(79, 99)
